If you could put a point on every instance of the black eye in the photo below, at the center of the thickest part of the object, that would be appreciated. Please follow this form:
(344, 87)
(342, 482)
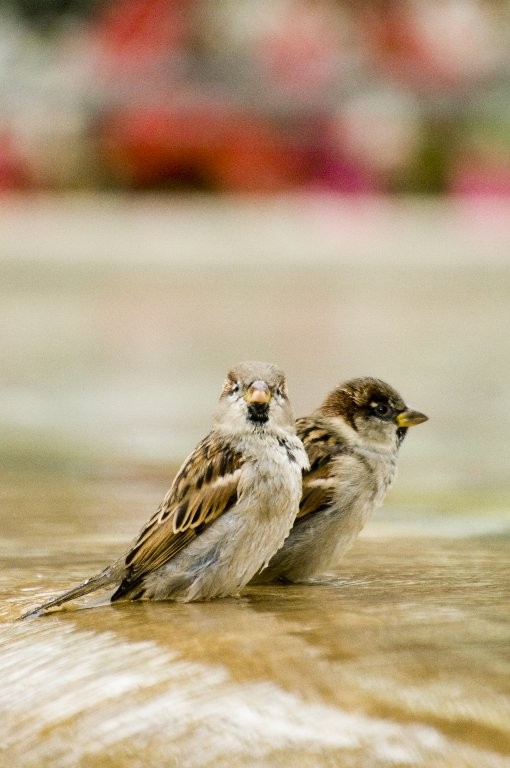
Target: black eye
(234, 389)
(381, 409)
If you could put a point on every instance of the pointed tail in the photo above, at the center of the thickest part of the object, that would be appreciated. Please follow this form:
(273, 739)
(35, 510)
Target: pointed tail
(110, 575)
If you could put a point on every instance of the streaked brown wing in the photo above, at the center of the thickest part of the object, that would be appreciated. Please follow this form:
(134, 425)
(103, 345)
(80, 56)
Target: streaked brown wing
(323, 446)
(204, 488)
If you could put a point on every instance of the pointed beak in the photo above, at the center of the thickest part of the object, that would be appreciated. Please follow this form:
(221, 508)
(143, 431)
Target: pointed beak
(258, 392)
(411, 418)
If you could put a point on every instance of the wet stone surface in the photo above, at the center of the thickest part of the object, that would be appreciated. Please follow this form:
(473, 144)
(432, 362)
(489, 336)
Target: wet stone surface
(402, 658)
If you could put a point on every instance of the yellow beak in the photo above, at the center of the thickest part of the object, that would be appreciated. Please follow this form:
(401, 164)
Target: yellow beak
(410, 418)
(258, 392)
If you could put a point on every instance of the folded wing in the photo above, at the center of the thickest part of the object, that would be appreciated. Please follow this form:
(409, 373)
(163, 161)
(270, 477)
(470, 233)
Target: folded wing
(205, 487)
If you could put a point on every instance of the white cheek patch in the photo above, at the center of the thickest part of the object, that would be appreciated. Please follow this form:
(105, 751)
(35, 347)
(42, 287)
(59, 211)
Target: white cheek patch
(348, 432)
(232, 414)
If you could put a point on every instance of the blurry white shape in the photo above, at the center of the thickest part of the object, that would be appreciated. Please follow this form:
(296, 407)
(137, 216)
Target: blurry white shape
(69, 696)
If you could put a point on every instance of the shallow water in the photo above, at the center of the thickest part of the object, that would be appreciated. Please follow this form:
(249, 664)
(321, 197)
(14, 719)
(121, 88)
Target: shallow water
(122, 318)
(402, 660)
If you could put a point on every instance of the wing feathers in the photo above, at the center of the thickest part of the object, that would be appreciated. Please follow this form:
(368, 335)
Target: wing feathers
(323, 446)
(205, 487)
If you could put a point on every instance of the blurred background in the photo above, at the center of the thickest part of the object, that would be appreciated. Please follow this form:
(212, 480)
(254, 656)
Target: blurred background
(187, 183)
(236, 96)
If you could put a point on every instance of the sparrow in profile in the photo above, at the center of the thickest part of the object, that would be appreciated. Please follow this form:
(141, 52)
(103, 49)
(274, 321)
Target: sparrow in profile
(352, 442)
(229, 508)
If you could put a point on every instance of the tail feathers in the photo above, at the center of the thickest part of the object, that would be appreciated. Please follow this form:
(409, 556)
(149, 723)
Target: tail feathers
(103, 579)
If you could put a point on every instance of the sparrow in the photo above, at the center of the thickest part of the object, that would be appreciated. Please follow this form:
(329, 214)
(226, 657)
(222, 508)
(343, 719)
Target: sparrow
(352, 441)
(229, 508)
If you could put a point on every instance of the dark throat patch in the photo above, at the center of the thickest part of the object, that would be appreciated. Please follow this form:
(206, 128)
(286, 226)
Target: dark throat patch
(258, 412)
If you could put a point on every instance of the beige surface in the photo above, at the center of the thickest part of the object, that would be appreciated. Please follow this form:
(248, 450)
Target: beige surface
(120, 318)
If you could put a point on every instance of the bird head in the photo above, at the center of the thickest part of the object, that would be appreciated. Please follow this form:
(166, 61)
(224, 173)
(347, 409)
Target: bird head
(373, 409)
(254, 396)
